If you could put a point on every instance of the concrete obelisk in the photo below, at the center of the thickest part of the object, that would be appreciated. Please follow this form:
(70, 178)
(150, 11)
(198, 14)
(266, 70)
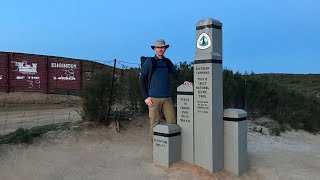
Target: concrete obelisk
(208, 96)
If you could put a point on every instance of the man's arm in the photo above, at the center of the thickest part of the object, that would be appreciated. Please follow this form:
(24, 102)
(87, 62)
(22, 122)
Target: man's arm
(143, 82)
(143, 85)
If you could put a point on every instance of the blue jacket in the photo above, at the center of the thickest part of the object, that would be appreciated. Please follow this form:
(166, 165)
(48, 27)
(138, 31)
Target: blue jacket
(159, 82)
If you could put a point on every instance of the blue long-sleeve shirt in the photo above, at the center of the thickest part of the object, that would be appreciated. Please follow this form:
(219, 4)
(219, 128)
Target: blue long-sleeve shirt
(160, 82)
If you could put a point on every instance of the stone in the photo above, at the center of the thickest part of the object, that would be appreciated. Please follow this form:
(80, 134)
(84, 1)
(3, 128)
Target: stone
(235, 141)
(208, 96)
(166, 144)
(185, 121)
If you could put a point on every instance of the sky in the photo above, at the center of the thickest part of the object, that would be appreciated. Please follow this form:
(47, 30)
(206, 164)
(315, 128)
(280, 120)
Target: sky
(261, 36)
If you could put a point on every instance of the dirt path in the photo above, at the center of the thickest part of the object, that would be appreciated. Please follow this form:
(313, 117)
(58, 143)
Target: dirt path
(26, 110)
(101, 153)
(13, 118)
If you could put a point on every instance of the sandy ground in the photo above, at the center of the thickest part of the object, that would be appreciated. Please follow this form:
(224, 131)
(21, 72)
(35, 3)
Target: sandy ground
(102, 153)
(22, 98)
(12, 118)
(27, 110)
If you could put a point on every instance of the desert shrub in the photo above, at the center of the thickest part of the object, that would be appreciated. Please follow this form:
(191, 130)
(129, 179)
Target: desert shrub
(22, 135)
(129, 90)
(286, 106)
(185, 72)
(259, 94)
(97, 99)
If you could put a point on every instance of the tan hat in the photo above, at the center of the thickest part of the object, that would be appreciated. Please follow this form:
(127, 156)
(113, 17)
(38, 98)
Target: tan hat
(160, 43)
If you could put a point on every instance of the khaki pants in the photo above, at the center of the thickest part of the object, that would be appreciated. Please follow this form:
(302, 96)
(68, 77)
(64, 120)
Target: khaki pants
(161, 105)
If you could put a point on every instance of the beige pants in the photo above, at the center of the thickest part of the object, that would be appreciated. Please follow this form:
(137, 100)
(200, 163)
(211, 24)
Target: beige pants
(161, 105)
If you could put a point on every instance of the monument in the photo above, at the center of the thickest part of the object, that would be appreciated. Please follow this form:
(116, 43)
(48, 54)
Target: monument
(211, 137)
(235, 141)
(185, 121)
(166, 144)
(208, 96)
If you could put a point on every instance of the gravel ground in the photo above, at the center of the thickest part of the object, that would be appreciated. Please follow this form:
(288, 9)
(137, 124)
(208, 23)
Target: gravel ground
(99, 152)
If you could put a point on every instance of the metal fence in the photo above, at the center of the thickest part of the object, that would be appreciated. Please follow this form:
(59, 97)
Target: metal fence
(28, 83)
(12, 118)
(20, 72)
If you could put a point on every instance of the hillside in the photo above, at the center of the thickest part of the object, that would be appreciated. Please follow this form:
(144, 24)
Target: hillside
(307, 84)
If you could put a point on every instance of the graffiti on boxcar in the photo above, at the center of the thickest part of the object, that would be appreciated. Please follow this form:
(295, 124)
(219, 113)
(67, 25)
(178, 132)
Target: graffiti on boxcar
(64, 66)
(24, 68)
(21, 72)
(67, 75)
(34, 83)
(89, 76)
(27, 72)
(67, 72)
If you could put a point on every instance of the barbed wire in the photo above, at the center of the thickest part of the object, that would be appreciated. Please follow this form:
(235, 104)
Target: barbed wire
(129, 62)
(28, 115)
(25, 116)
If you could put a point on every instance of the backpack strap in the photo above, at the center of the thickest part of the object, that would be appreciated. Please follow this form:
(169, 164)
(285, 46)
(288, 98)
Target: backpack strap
(168, 62)
(153, 67)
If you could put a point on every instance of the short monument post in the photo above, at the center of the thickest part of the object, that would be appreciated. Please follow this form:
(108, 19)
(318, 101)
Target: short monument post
(235, 141)
(166, 144)
(208, 96)
(185, 121)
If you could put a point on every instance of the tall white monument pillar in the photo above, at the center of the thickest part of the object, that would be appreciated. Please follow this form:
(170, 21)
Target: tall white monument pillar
(208, 96)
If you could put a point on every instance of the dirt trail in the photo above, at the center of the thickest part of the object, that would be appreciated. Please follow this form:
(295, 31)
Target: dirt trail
(26, 110)
(13, 118)
(102, 153)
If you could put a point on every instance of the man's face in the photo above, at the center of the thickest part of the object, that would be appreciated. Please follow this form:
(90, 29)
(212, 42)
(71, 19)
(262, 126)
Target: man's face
(160, 50)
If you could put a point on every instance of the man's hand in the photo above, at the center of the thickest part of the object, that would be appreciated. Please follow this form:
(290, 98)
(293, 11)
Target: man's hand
(187, 83)
(148, 101)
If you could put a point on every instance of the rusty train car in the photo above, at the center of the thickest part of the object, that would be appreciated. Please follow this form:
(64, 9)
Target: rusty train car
(20, 72)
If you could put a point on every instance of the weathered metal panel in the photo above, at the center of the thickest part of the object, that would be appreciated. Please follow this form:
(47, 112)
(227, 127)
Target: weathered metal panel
(3, 72)
(27, 73)
(47, 74)
(63, 74)
(91, 67)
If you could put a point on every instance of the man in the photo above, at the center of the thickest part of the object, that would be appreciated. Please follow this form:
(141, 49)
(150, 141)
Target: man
(156, 90)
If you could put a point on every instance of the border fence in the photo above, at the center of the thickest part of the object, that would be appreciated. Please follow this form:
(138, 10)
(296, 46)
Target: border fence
(36, 85)
(21, 72)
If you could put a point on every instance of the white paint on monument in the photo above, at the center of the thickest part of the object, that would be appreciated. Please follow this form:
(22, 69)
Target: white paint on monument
(185, 121)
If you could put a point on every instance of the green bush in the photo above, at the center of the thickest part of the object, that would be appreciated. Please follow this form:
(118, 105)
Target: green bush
(185, 72)
(22, 135)
(288, 107)
(96, 96)
(129, 90)
(273, 95)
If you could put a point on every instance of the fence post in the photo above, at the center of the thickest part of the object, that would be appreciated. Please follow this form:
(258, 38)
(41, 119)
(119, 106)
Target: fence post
(8, 73)
(111, 90)
(47, 74)
(81, 77)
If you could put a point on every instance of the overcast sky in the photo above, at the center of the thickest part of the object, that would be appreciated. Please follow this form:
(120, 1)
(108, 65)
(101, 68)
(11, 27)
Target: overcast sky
(263, 36)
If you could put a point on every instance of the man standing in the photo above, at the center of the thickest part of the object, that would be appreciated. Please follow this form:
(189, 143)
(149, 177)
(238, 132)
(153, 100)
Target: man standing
(155, 85)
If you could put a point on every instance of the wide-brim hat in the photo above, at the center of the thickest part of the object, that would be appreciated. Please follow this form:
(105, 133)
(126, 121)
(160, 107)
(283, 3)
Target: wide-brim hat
(160, 43)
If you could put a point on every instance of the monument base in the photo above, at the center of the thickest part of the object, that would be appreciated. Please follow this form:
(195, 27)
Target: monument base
(235, 141)
(166, 144)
